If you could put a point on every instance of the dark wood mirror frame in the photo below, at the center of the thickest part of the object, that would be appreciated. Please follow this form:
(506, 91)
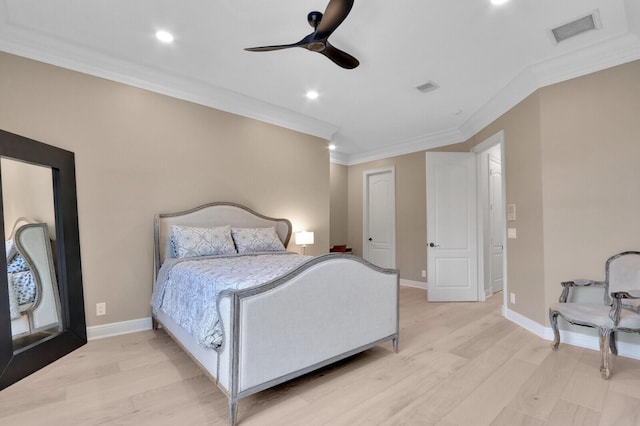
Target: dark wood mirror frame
(15, 366)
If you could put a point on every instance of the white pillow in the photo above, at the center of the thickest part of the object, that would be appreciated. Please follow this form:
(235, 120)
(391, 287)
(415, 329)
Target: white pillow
(192, 242)
(251, 240)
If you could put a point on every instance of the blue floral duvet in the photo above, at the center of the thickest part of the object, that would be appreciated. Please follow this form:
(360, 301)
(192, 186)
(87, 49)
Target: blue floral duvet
(187, 289)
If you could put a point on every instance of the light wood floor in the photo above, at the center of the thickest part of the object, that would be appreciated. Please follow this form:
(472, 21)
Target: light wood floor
(459, 364)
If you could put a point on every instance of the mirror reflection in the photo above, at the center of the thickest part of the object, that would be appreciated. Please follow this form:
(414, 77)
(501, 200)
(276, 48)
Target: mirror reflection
(29, 223)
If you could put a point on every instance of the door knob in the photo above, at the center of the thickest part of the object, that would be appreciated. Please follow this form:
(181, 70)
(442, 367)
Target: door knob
(433, 245)
(370, 239)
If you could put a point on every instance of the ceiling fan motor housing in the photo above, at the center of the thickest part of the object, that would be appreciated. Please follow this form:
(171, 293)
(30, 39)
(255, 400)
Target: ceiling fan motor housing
(314, 18)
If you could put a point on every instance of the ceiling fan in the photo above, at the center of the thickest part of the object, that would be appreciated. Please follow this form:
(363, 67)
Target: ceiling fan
(323, 27)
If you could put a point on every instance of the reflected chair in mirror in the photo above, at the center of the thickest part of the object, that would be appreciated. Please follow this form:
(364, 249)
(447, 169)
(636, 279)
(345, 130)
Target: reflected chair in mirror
(34, 302)
(619, 311)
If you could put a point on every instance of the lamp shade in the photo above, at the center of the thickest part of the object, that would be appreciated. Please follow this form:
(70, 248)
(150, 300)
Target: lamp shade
(304, 238)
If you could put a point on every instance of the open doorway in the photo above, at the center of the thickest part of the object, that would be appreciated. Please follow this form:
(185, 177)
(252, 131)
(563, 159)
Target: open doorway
(492, 214)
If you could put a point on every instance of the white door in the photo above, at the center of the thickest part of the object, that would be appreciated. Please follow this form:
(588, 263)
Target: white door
(495, 221)
(379, 231)
(452, 270)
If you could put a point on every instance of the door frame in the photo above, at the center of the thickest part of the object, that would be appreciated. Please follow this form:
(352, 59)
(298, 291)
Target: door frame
(365, 210)
(483, 197)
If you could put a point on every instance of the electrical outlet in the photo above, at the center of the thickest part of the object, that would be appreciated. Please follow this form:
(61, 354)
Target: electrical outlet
(424, 274)
(513, 298)
(101, 309)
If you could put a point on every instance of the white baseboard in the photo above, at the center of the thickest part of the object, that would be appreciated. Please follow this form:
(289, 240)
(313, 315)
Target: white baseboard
(625, 349)
(117, 328)
(414, 284)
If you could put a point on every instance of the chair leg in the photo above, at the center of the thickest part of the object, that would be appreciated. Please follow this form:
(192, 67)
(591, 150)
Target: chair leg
(612, 343)
(553, 319)
(605, 351)
(233, 411)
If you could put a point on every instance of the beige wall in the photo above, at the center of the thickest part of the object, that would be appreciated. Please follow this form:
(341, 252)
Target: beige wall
(339, 200)
(140, 153)
(590, 173)
(571, 169)
(522, 169)
(27, 192)
(410, 211)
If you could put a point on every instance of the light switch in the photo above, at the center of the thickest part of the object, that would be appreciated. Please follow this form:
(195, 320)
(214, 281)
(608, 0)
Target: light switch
(511, 233)
(511, 212)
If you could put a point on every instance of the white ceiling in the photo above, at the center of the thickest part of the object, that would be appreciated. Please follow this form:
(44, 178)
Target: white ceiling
(485, 59)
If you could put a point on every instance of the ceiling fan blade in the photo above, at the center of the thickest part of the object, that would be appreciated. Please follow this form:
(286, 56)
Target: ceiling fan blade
(269, 48)
(302, 43)
(337, 11)
(340, 57)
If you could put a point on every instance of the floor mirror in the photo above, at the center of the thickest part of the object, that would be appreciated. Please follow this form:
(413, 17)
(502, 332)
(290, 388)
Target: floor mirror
(41, 298)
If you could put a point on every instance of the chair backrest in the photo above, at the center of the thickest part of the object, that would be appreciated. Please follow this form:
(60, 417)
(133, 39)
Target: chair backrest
(622, 273)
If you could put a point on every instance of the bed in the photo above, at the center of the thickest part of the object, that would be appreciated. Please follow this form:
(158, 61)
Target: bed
(34, 302)
(319, 311)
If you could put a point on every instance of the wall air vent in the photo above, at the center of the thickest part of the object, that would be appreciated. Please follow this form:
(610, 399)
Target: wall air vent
(577, 26)
(427, 87)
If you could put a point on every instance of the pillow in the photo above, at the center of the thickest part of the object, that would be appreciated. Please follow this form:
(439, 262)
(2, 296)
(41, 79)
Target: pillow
(251, 240)
(173, 252)
(193, 242)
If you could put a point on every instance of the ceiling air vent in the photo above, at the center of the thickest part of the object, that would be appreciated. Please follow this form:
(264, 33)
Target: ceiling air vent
(427, 87)
(577, 26)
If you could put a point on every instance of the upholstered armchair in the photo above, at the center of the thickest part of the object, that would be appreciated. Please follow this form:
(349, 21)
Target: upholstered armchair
(619, 311)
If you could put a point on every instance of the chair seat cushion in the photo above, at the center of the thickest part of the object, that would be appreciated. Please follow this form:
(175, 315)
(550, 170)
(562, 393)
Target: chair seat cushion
(595, 315)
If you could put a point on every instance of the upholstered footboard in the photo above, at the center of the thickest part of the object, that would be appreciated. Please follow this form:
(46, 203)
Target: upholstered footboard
(329, 308)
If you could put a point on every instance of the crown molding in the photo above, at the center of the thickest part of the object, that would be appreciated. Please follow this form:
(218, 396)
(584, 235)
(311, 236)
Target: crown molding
(421, 143)
(31, 45)
(597, 57)
(40, 47)
(339, 158)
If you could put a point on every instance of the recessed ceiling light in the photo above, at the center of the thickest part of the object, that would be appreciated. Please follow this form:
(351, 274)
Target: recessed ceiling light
(498, 2)
(312, 94)
(164, 36)
(332, 147)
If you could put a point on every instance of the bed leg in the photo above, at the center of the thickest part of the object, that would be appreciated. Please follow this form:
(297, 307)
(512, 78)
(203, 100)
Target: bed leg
(233, 411)
(396, 344)
(154, 324)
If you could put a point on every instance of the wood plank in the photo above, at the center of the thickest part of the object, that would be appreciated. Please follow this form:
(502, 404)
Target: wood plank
(566, 413)
(459, 363)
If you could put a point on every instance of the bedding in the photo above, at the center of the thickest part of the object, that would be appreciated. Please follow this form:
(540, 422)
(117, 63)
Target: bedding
(187, 288)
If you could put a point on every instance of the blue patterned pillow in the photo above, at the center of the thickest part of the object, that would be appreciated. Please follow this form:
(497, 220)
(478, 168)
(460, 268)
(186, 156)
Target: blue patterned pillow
(192, 242)
(24, 287)
(172, 246)
(250, 240)
(17, 264)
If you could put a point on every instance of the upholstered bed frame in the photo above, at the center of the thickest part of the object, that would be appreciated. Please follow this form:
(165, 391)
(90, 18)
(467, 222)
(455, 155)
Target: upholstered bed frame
(334, 306)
